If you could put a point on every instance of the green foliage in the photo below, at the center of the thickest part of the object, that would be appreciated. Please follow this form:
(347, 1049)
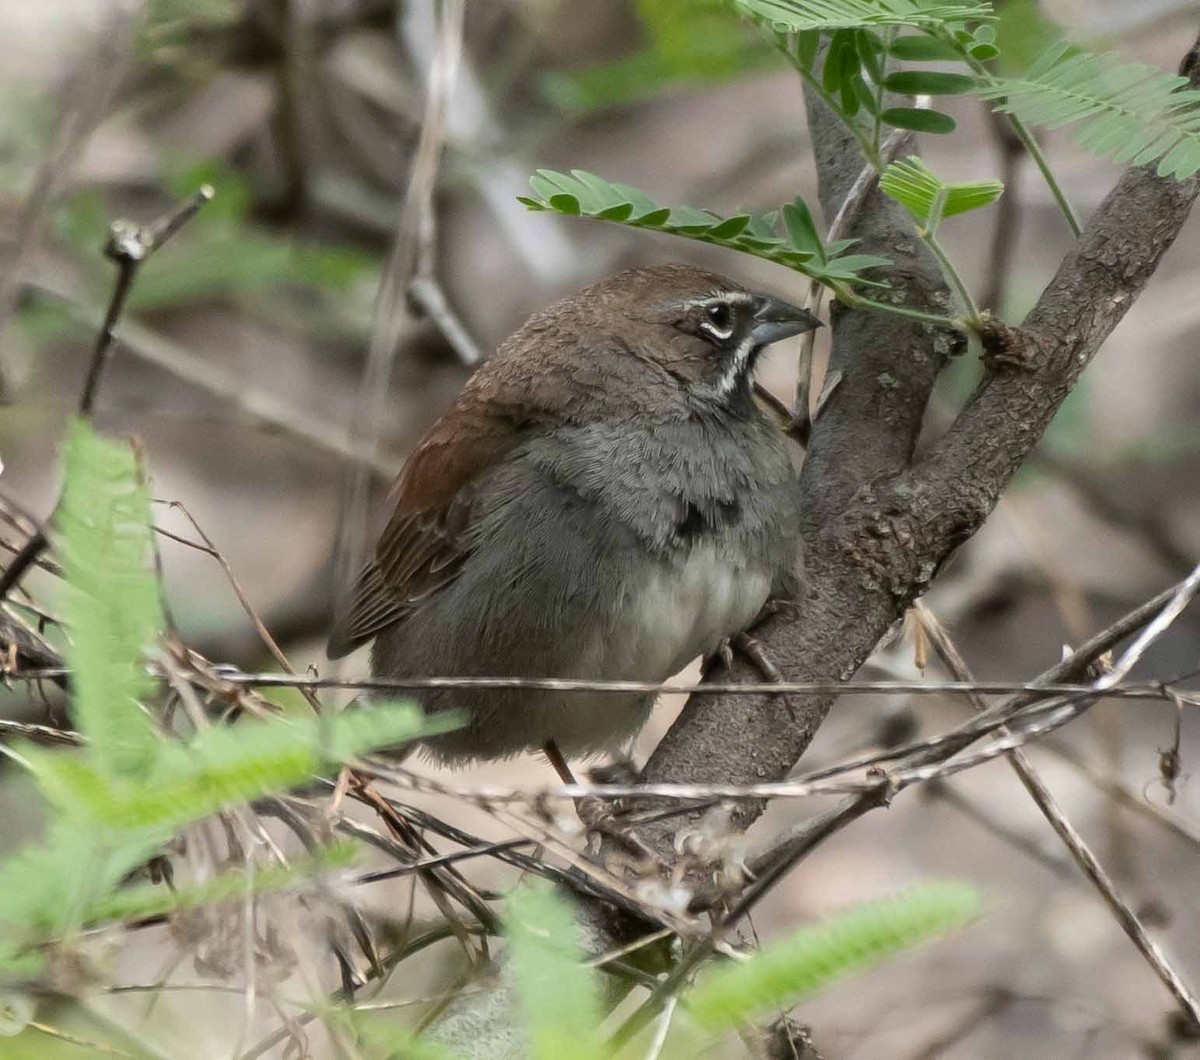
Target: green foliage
(816, 955)
(225, 765)
(918, 119)
(793, 16)
(383, 1040)
(1129, 112)
(928, 83)
(858, 70)
(111, 606)
(688, 42)
(123, 795)
(928, 198)
(47, 888)
(559, 999)
(787, 236)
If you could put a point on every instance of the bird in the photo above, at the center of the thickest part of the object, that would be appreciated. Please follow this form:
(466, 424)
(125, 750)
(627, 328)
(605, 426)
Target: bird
(604, 501)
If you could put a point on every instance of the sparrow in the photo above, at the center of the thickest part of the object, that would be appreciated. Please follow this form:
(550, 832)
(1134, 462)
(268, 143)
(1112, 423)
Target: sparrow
(604, 501)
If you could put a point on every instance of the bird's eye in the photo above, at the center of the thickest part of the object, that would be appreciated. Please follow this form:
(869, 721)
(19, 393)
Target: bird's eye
(719, 320)
(719, 315)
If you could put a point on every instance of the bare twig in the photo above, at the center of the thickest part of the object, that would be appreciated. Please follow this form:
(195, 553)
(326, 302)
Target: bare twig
(128, 246)
(1132, 690)
(784, 852)
(1079, 850)
(1006, 225)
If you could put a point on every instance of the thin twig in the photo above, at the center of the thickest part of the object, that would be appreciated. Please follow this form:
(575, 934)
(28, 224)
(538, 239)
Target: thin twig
(1140, 690)
(1074, 842)
(128, 246)
(86, 98)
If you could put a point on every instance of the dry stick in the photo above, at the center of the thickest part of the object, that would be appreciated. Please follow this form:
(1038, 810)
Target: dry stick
(128, 246)
(260, 627)
(439, 883)
(396, 957)
(1045, 801)
(1147, 690)
(235, 678)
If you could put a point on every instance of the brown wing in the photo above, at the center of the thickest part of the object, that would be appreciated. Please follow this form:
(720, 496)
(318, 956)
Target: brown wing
(422, 548)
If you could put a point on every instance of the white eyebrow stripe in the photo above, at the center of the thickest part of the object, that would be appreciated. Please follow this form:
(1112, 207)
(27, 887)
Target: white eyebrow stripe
(733, 297)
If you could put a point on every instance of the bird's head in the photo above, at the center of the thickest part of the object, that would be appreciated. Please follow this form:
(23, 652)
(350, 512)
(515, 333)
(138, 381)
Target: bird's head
(704, 329)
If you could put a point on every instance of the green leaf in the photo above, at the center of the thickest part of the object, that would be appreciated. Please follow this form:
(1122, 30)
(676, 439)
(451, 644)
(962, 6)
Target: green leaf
(1128, 112)
(558, 995)
(801, 227)
(922, 48)
(227, 764)
(792, 16)
(796, 245)
(813, 957)
(111, 607)
(808, 44)
(918, 189)
(928, 83)
(918, 120)
(870, 53)
(382, 1039)
(840, 59)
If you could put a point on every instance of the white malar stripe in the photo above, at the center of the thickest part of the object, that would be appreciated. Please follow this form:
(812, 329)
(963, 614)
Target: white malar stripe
(737, 367)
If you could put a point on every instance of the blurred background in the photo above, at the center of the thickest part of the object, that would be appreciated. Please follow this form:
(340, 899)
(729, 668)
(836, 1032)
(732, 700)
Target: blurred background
(241, 357)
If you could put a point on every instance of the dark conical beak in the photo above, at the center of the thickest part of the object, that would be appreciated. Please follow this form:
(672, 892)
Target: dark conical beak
(775, 319)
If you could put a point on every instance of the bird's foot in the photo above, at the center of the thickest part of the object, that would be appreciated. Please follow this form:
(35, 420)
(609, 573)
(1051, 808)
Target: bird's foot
(601, 819)
(750, 647)
(602, 816)
(599, 816)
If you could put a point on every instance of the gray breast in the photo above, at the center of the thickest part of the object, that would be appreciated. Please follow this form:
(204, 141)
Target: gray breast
(605, 554)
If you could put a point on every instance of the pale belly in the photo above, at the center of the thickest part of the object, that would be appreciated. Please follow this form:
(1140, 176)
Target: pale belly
(677, 614)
